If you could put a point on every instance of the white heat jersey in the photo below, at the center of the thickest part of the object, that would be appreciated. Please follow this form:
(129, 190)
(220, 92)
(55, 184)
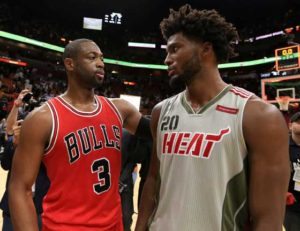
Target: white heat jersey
(202, 164)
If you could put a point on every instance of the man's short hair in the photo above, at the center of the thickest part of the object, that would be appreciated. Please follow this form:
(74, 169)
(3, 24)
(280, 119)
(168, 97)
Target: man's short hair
(73, 48)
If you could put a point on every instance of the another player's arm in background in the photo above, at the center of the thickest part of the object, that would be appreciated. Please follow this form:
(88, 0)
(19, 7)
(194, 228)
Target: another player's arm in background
(266, 136)
(133, 120)
(152, 184)
(13, 114)
(35, 133)
(11, 120)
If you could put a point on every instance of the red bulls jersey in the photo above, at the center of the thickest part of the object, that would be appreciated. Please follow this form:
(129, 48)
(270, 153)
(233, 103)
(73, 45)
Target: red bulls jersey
(83, 162)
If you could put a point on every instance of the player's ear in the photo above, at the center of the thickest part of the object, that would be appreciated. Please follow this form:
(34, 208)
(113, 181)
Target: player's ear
(207, 48)
(69, 64)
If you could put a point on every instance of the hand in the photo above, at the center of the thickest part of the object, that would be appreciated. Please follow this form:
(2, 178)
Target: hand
(17, 131)
(18, 102)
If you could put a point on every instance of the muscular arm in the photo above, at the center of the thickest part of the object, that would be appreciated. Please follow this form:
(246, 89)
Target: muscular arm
(130, 115)
(133, 120)
(151, 187)
(266, 136)
(35, 133)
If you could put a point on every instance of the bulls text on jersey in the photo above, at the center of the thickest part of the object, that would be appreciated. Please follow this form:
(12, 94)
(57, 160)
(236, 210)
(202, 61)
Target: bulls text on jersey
(87, 139)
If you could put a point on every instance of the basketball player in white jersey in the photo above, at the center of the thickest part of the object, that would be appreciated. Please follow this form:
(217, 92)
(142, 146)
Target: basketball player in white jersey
(220, 160)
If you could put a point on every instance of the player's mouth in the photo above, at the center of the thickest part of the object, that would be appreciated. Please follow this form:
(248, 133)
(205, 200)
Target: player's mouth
(100, 74)
(171, 72)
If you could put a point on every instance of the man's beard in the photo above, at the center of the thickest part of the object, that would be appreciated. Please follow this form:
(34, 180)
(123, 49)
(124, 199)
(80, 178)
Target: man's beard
(177, 83)
(180, 81)
(88, 78)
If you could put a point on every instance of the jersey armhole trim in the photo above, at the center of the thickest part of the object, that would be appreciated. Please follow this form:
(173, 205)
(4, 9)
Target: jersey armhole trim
(54, 130)
(242, 122)
(115, 109)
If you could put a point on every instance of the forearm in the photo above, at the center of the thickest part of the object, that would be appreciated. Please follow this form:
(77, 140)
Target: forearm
(267, 207)
(266, 225)
(148, 204)
(22, 209)
(267, 200)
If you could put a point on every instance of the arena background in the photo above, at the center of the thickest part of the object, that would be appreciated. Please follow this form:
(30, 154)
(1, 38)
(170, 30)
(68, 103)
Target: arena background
(33, 34)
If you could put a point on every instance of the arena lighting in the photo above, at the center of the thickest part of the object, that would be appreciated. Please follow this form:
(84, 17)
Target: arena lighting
(92, 23)
(30, 41)
(15, 62)
(163, 67)
(129, 83)
(144, 45)
(136, 65)
(130, 64)
(289, 30)
(265, 36)
(269, 35)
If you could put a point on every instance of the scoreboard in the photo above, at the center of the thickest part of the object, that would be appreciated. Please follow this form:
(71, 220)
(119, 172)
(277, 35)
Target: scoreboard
(287, 58)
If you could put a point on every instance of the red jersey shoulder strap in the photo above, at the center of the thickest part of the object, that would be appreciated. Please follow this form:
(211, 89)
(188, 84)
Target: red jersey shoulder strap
(55, 125)
(106, 101)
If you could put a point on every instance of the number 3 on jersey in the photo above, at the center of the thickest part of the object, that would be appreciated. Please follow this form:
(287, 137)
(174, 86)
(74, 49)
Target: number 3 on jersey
(102, 168)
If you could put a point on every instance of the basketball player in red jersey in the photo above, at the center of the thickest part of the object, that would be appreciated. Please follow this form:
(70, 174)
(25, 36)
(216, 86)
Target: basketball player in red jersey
(220, 155)
(77, 136)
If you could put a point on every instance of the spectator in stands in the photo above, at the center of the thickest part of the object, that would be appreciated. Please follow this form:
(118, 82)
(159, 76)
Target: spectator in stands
(292, 214)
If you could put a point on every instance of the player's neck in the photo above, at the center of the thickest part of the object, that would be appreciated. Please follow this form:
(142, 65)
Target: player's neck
(78, 98)
(203, 90)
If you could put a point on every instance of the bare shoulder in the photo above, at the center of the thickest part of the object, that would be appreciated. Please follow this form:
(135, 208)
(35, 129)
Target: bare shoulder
(155, 117)
(257, 110)
(263, 120)
(117, 101)
(123, 106)
(38, 121)
(41, 113)
(130, 115)
(156, 111)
